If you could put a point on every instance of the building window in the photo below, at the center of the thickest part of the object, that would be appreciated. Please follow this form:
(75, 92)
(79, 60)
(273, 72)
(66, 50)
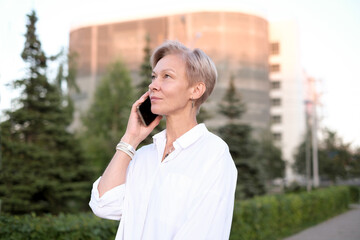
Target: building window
(275, 119)
(275, 84)
(274, 48)
(277, 136)
(275, 102)
(275, 68)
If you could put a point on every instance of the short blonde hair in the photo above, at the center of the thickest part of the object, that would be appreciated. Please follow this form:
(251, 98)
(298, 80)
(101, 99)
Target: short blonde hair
(199, 67)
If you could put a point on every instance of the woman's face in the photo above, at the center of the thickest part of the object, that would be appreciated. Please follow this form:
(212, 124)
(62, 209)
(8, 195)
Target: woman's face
(169, 91)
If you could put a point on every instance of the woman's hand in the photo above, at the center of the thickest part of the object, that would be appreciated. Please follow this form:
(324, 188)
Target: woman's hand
(136, 131)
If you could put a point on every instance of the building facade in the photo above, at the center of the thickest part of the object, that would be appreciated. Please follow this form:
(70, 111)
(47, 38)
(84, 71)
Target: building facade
(237, 43)
(287, 94)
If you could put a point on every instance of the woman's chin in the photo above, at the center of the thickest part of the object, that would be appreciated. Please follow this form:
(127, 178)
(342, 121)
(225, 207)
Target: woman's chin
(157, 111)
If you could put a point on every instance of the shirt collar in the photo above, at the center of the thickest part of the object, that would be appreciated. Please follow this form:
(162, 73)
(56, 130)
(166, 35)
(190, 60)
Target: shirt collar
(186, 139)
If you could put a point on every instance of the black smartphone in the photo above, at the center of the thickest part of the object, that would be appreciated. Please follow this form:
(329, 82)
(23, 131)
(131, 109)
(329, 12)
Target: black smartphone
(144, 111)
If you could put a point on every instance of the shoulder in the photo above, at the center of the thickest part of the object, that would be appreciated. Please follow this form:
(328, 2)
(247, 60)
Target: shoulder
(214, 159)
(215, 150)
(215, 144)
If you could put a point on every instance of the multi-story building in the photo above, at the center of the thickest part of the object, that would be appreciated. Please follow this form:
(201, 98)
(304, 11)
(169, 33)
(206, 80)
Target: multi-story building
(287, 93)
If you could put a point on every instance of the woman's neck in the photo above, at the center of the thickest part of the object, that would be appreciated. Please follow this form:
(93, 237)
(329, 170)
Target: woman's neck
(178, 126)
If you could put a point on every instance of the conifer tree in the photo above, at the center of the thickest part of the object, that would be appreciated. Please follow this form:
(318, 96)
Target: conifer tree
(241, 144)
(203, 115)
(232, 106)
(107, 118)
(43, 169)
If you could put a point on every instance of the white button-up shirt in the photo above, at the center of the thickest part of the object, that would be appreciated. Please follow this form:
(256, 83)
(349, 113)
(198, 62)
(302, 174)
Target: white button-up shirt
(190, 195)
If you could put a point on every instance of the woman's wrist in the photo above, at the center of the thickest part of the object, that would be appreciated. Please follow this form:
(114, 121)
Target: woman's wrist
(130, 140)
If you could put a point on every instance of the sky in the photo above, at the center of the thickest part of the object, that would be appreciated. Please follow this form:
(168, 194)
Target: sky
(329, 41)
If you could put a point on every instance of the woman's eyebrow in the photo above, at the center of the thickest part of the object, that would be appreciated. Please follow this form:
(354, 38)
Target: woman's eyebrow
(166, 70)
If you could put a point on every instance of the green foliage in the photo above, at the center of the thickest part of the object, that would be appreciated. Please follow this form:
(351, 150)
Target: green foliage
(43, 169)
(274, 217)
(335, 158)
(258, 162)
(32, 52)
(67, 71)
(203, 115)
(232, 106)
(242, 149)
(354, 165)
(270, 157)
(106, 120)
(354, 194)
(63, 227)
(238, 138)
(294, 187)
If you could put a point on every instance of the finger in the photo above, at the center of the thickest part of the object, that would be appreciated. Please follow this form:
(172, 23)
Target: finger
(141, 100)
(155, 122)
(143, 97)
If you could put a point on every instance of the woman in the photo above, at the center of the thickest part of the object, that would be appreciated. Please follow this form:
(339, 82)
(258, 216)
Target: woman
(182, 186)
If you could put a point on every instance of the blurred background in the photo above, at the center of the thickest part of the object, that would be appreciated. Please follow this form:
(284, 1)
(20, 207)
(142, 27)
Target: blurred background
(286, 100)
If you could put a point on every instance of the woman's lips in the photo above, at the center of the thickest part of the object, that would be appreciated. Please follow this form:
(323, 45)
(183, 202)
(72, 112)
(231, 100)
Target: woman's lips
(154, 98)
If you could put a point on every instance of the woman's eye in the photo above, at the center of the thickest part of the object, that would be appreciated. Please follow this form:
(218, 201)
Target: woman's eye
(153, 77)
(167, 76)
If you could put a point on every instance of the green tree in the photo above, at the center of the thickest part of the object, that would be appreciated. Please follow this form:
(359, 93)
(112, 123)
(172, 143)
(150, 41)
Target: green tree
(241, 144)
(355, 164)
(203, 115)
(243, 149)
(335, 158)
(43, 169)
(269, 156)
(106, 120)
(232, 106)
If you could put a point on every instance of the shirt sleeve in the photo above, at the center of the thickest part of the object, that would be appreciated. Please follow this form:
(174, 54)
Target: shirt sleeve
(110, 205)
(210, 216)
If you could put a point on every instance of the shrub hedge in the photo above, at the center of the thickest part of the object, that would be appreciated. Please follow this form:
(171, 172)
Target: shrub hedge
(62, 227)
(268, 217)
(277, 216)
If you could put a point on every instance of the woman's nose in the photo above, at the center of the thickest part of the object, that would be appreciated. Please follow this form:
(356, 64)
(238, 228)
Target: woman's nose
(154, 85)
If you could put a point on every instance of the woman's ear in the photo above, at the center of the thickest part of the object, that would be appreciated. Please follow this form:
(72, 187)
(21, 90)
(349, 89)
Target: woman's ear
(198, 90)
